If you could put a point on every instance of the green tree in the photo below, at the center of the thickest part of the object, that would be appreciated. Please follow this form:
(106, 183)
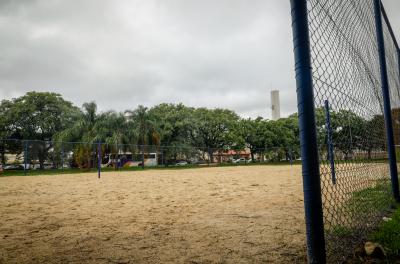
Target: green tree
(116, 131)
(145, 127)
(40, 115)
(6, 131)
(213, 129)
(173, 124)
(374, 135)
(348, 131)
(37, 116)
(257, 135)
(288, 140)
(83, 130)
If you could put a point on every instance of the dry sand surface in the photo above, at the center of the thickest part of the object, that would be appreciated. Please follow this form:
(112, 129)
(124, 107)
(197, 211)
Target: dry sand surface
(244, 214)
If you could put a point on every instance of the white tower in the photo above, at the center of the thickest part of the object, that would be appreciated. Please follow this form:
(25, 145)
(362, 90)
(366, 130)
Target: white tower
(275, 105)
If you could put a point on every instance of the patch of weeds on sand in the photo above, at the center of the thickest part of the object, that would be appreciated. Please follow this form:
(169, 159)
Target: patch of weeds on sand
(340, 231)
(388, 235)
(372, 199)
(357, 217)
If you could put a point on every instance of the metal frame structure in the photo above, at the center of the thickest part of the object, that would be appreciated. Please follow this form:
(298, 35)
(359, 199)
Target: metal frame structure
(308, 136)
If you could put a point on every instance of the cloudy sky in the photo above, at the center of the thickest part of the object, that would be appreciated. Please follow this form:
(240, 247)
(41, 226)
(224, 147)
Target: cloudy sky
(225, 53)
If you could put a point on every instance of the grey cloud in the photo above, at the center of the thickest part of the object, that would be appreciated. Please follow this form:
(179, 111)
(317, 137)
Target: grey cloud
(226, 53)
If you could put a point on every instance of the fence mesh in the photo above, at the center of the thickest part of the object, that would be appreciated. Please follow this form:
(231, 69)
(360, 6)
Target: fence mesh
(354, 169)
(36, 156)
(393, 70)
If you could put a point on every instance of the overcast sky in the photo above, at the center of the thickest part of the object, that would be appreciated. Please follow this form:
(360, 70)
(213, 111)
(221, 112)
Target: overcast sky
(212, 53)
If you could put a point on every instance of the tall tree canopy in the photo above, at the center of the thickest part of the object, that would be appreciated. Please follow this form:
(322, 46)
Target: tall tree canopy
(37, 115)
(47, 116)
(34, 116)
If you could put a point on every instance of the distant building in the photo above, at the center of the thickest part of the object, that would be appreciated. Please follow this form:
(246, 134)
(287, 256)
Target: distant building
(275, 105)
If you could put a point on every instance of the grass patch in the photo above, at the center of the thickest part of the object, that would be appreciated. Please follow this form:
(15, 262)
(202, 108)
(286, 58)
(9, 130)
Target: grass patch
(365, 208)
(364, 211)
(7, 173)
(388, 235)
(375, 198)
(340, 231)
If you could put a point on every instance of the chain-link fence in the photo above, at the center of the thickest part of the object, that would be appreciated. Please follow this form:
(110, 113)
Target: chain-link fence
(36, 156)
(393, 71)
(345, 58)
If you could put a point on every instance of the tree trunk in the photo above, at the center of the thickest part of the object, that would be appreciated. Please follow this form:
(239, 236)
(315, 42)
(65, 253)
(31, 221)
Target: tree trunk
(210, 156)
(41, 163)
(3, 156)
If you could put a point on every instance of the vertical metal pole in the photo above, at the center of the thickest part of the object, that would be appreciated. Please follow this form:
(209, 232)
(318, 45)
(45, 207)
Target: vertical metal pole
(98, 160)
(116, 157)
(95, 156)
(308, 134)
(62, 157)
(142, 147)
(209, 156)
(397, 135)
(162, 156)
(386, 100)
(331, 156)
(25, 156)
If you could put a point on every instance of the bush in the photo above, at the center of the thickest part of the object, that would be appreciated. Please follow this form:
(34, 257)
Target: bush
(82, 157)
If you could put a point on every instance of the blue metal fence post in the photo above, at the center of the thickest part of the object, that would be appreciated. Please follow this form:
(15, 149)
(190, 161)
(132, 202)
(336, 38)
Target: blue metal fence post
(398, 60)
(209, 156)
(99, 160)
(386, 100)
(142, 147)
(94, 156)
(308, 134)
(162, 156)
(25, 156)
(331, 156)
(117, 157)
(398, 132)
(62, 157)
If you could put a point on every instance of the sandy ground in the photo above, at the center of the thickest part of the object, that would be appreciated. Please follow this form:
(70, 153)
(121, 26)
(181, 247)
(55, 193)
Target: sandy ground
(246, 214)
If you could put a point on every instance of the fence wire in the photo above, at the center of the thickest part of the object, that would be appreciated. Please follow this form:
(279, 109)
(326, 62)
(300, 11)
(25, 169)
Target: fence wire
(355, 178)
(393, 70)
(37, 156)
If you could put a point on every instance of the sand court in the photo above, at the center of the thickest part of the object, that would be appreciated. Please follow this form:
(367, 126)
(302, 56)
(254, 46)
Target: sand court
(242, 214)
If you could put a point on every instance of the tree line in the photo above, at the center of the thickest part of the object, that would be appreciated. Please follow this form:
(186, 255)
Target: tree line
(48, 116)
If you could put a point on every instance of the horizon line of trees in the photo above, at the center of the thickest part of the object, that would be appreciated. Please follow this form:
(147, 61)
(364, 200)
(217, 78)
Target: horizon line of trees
(49, 117)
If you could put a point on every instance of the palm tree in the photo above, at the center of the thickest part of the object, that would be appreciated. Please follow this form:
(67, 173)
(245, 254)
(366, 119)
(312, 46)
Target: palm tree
(117, 132)
(83, 129)
(84, 132)
(145, 127)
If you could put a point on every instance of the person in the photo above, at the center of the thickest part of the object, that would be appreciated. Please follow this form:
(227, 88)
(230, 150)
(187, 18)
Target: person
(1, 168)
